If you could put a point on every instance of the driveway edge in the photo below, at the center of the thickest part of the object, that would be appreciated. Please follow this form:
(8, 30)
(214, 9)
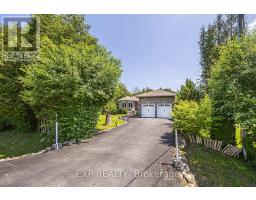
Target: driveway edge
(48, 149)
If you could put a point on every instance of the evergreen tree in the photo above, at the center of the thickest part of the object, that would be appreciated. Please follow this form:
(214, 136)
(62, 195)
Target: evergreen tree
(189, 91)
(231, 24)
(208, 52)
(221, 30)
(211, 39)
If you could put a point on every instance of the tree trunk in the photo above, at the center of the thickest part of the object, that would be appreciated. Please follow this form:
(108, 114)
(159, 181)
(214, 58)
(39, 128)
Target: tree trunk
(108, 119)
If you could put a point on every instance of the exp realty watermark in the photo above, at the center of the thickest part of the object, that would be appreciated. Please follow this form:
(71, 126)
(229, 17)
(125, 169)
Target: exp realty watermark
(108, 173)
(21, 38)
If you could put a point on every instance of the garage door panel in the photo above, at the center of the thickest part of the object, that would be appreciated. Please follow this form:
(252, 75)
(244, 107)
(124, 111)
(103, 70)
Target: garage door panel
(164, 111)
(148, 110)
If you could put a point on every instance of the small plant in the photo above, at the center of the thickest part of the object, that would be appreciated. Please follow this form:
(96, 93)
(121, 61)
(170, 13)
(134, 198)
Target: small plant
(125, 111)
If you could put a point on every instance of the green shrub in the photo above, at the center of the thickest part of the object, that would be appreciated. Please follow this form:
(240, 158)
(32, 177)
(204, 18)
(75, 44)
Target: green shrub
(110, 108)
(222, 128)
(250, 143)
(75, 81)
(77, 122)
(5, 123)
(193, 118)
(123, 111)
(238, 137)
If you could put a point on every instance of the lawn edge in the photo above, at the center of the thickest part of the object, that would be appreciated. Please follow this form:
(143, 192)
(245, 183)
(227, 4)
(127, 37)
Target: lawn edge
(107, 130)
(48, 148)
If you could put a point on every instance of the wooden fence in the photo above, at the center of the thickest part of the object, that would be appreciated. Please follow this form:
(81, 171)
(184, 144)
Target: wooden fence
(216, 145)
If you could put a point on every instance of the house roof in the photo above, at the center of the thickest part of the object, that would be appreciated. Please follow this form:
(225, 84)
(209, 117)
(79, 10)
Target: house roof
(128, 98)
(157, 93)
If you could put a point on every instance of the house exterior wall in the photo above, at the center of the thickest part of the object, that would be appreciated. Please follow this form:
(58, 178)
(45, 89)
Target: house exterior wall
(133, 108)
(154, 100)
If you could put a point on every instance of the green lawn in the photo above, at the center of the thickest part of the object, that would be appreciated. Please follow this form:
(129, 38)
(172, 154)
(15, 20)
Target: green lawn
(212, 169)
(13, 143)
(115, 121)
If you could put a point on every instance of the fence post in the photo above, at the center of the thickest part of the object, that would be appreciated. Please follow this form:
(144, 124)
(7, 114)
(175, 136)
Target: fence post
(56, 133)
(243, 133)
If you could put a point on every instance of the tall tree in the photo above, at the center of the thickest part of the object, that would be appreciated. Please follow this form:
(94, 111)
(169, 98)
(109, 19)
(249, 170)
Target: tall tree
(189, 91)
(121, 91)
(74, 81)
(208, 52)
(232, 88)
(223, 29)
(231, 23)
(74, 72)
(12, 107)
(135, 90)
(63, 29)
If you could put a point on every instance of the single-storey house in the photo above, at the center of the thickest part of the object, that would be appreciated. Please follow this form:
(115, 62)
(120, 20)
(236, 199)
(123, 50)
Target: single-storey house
(129, 103)
(156, 103)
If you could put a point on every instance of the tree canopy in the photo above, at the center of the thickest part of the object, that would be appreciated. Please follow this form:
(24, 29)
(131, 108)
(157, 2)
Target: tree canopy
(189, 91)
(211, 39)
(75, 78)
(232, 83)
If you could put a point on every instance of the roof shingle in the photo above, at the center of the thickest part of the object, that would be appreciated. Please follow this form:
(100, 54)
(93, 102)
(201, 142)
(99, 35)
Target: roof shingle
(157, 93)
(128, 98)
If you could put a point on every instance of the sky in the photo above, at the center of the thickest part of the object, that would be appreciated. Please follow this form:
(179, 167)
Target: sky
(155, 50)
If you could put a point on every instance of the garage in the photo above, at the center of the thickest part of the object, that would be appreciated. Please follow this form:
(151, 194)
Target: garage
(148, 110)
(156, 103)
(163, 111)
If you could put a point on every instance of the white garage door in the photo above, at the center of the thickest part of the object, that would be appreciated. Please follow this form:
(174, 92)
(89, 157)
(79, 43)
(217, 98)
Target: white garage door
(164, 111)
(148, 110)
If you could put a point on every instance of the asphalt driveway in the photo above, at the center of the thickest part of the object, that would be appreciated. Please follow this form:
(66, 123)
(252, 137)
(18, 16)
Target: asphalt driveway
(136, 154)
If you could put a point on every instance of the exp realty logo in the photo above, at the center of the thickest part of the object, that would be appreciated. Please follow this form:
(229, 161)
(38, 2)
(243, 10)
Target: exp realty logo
(21, 38)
